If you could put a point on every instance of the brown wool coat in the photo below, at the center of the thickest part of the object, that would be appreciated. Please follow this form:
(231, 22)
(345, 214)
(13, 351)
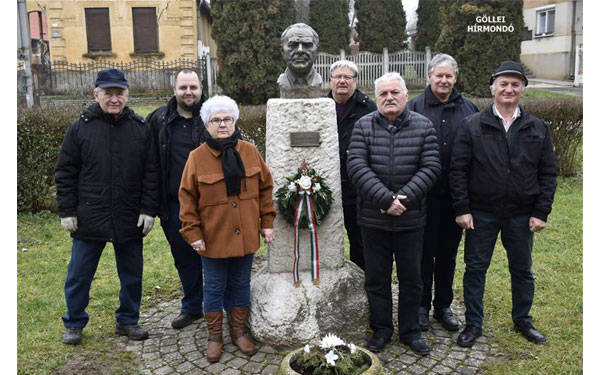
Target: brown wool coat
(229, 225)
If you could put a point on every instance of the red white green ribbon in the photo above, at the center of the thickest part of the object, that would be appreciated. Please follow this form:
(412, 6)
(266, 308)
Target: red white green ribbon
(305, 204)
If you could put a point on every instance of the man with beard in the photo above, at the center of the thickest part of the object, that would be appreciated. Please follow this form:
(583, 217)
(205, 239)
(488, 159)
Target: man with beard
(178, 130)
(299, 44)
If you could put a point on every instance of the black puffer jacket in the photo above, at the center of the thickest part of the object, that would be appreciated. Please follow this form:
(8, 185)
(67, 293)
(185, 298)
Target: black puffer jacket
(385, 160)
(446, 117)
(356, 107)
(107, 175)
(489, 175)
(160, 120)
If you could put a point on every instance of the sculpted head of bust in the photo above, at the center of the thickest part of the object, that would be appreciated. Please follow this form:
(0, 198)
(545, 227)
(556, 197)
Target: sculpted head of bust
(299, 43)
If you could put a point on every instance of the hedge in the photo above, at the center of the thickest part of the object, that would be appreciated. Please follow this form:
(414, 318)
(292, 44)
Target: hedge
(565, 117)
(40, 134)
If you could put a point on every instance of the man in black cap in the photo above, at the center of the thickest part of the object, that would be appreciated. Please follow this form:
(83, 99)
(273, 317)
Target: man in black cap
(178, 129)
(502, 179)
(107, 188)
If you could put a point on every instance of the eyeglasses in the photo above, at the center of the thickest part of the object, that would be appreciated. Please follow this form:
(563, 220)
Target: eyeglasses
(341, 76)
(217, 121)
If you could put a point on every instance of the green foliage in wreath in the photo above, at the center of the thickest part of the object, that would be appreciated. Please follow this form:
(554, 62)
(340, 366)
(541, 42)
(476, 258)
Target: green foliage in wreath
(287, 196)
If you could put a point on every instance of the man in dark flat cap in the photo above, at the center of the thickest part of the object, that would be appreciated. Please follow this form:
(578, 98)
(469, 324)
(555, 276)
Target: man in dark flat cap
(107, 188)
(502, 180)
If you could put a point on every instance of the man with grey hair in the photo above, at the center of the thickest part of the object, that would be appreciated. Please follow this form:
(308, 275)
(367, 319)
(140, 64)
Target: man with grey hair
(107, 188)
(299, 44)
(502, 180)
(350, 105)
(393, 162)
(446, 108)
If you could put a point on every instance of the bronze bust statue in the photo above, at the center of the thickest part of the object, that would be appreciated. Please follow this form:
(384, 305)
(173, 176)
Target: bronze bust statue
(299, 43)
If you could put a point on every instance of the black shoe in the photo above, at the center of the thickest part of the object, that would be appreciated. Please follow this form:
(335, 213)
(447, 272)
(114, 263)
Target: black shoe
(133, 331)
(418, 346)
(72, 336)
(446, 318)
(377, 344)
(185, 319)
(530, 333)
(423, 319)
(467, 337)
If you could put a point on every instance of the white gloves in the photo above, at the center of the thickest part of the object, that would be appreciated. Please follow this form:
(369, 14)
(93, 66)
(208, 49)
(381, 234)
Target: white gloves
(69, 223)
(147, 221)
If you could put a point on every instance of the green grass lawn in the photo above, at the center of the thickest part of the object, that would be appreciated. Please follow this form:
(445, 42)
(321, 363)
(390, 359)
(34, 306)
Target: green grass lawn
(43, 251)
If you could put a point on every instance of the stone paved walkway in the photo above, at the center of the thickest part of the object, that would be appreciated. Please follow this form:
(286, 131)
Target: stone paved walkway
(168, 351)
(181, 352)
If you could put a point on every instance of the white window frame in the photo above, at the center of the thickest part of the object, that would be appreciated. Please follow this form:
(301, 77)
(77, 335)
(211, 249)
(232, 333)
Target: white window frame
(541, 30)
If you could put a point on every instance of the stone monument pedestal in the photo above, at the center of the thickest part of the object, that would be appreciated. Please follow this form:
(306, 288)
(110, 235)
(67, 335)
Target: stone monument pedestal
(280, 313)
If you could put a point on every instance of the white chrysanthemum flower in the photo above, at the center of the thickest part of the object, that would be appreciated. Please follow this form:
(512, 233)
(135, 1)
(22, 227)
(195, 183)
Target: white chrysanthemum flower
(330, 341)
(331, 358)
(352, 348)
(317, 187)
(306, 349)
(292, 187)
(305, 182)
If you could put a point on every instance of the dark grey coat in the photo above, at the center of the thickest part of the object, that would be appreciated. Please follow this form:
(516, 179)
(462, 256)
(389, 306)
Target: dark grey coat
(387, 159)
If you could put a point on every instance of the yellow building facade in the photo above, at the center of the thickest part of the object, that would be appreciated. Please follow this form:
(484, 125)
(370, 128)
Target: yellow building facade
(120, 30)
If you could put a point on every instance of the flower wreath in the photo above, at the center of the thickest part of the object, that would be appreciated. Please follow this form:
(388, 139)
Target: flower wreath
(288, 196)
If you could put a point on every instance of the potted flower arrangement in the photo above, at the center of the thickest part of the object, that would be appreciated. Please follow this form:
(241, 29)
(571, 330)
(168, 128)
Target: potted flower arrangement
(332, 356)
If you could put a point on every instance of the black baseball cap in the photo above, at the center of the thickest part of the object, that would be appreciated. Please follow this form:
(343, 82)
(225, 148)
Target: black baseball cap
(111, 78)
(510, 67)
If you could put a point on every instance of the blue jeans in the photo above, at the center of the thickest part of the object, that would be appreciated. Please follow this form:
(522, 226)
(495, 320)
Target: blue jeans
(187, 262)
(226, 282)
(85, 255)
(517, 239)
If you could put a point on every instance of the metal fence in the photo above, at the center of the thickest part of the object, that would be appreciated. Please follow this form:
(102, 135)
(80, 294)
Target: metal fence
(143, 76)
(412, 65)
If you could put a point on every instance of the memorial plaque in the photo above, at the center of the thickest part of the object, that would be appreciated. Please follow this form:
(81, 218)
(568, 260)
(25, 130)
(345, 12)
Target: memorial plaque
(305, 139)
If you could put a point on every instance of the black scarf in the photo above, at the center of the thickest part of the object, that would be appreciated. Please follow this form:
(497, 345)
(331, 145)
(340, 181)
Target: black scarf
(233, 166)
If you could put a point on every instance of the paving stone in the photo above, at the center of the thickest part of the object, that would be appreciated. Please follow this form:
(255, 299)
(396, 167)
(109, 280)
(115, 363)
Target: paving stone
(226, 357)
(174, 359)
(417, 370)
(165, 370)
(253, 367)
(201, 362)
(168, 349)
(407, 359)
(441, 369)
(230, 371)
(216, 368)
(235, 362)
(185, 367)
(267, 349)
(269, 370)
(457, 355)
(449, 362)
(426, 361)
(196, 371)
(191, 356)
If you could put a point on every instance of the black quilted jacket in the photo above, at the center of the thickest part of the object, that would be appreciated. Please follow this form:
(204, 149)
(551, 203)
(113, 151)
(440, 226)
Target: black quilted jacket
(385, 160)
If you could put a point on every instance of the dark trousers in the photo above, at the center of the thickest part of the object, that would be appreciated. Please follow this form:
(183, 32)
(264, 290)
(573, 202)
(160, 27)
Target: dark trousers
(382, 248)
(227, 283)
(440, 245)
(85, 255)
(479, 247)
(187, 261)
(357, 255)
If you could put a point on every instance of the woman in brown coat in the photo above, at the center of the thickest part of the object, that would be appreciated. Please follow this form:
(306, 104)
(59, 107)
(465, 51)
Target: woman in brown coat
(226, 198)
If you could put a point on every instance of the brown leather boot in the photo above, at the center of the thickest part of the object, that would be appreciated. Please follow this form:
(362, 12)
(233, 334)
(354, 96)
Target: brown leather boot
(214, 346)
(239, 334)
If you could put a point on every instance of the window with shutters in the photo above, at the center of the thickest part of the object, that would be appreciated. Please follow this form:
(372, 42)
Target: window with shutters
(145, 30)
(97, 26)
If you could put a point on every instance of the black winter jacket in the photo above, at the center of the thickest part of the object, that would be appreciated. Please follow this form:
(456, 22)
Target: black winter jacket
(486, 174)
(446, 118)
(160, 120)
(385, 160)
(356, 107)
(107, 175)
